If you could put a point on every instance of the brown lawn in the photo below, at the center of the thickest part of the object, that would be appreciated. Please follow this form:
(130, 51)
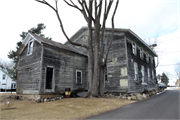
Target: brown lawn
(72, 108)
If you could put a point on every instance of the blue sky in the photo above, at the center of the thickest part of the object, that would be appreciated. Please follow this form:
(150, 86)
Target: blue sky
(147, 18)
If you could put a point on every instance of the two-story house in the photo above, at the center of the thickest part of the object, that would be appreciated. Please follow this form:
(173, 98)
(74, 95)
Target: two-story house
(48, 67)
(130, 66)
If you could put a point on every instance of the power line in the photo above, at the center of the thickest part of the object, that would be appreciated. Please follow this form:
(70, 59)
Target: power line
(167, 65)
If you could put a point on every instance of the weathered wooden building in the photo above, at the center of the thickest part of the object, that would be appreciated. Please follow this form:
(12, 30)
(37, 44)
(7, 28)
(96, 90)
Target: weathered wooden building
(130, 66)
(48, 67)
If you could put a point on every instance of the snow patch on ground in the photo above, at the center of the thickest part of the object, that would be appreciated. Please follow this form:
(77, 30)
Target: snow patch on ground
(160, 93)
(7, 92)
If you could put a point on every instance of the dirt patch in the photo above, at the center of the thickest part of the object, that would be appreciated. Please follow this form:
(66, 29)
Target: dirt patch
(71, 108)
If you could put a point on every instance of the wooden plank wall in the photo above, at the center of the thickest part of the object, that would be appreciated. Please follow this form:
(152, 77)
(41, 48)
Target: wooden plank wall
(117, 66)
(65, 64)
(29, 71)
(133, 86)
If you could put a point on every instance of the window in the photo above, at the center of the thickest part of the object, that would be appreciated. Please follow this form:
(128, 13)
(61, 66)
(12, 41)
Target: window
(153, 74)
(148, 74)
(78, 76)
(30, 47)
(134, 48)
(151, 60)
(135, 71)
(147, 57)
(141, 53)
(4, 77)
(142, 71)
(49, 78)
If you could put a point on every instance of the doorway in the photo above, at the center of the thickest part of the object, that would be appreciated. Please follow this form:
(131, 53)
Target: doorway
(49, 78)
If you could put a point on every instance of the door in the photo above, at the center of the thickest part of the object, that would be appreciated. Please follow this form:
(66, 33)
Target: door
(49, 78)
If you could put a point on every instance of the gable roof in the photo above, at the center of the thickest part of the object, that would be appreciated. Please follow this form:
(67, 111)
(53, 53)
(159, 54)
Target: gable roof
(43, 40)
(5, 72)
(84, 30)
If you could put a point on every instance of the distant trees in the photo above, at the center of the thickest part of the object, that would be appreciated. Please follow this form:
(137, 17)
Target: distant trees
(4, 64)
(13, 53)
(152, 42)
(164, 79)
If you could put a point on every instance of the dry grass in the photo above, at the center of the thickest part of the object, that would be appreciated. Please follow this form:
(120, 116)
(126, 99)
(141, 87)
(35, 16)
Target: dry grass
(71, 108)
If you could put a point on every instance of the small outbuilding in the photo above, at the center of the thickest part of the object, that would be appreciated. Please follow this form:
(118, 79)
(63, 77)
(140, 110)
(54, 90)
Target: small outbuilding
(48, 67)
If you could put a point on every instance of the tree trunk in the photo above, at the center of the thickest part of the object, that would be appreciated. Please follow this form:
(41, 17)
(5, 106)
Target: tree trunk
(96, 60)
(102, 81)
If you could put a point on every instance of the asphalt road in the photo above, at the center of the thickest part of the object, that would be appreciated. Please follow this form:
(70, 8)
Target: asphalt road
(163, 106)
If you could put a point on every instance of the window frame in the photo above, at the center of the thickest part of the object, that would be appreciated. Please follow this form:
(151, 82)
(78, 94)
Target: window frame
(153, 74)
(147, 57)
(30, 41)
(53, 79)
(135, 71)
(134, 48)
(143, 73)
(151, 60)
(141, 53)
(4, 77)
(149, 74)
(76, 76)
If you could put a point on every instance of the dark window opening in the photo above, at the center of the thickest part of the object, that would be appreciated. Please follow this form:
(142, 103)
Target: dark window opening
(4, 76)
(79, 77)
(49, 78)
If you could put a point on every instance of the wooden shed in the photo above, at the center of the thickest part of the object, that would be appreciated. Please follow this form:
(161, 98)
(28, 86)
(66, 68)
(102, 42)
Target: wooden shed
(48, 67)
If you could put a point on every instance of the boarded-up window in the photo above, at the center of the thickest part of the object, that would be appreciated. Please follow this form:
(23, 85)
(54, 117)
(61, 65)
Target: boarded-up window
(142, 71)
(123, 71)
(135, 71)
(49, 78)
(78, 76)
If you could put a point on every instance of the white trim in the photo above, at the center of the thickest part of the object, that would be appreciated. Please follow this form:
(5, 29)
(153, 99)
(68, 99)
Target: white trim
(76, 76)
(143, 83)
(135, 70)
(143, 74)
(53, 79)
(134, 48)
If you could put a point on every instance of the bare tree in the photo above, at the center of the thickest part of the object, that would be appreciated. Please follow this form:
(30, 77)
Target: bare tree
(177, 70)
(152, 42)
(97, 57)
(4, 64)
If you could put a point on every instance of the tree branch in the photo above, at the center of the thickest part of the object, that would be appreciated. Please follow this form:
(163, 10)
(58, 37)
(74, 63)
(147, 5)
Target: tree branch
(106, 12)
(86, 8)
(46, 3)
(112, 33)
(73, 5)
(61, 24)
